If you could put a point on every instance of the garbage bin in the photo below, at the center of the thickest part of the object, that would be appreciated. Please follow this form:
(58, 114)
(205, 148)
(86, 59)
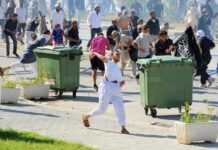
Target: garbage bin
(62, 65)
(165, 82)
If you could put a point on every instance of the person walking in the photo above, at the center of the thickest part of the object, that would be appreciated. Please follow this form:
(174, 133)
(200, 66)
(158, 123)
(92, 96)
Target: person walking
(154, 26)
(57, 17)
(10, 31)
(31, 28)
(94, 22)
(98, 45)
(72, 34)
(110, 91)
(143, 45)
(205, 45)
(134, 24)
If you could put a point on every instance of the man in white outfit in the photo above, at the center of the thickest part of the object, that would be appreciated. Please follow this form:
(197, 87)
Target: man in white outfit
(110, 91)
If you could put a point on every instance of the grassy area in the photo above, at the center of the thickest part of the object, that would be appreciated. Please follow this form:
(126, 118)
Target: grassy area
(12, 140)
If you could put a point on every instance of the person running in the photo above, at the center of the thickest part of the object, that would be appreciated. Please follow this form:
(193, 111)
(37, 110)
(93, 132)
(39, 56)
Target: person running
(205, 45)
(164, 45)
(110, 91)
(29, 56)
(98, 45)
(10, 31)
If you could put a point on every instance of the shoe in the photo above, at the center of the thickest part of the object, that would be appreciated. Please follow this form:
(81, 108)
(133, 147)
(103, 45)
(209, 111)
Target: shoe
(15, 54)
(124, 131)
(204, 86)
(137, 77)
(211, 81)
(85, 121)
(95, 87)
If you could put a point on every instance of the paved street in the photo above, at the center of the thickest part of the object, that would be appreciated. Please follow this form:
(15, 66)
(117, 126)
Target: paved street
(61, 118)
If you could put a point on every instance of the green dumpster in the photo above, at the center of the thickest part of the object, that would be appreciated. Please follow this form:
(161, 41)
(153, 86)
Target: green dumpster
(62, 65)
(165, 82)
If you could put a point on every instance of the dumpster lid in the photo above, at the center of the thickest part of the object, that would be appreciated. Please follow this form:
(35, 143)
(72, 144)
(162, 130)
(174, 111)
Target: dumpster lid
(59, 50)
(164, 59)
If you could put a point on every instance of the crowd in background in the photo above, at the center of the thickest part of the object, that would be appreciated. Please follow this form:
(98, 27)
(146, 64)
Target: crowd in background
(140, 28)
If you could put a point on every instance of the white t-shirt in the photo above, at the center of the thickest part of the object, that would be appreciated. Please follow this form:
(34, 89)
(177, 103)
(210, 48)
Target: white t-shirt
(143, 41)
(57, 18)
(94, 20)
(21, 14)
(113, 72)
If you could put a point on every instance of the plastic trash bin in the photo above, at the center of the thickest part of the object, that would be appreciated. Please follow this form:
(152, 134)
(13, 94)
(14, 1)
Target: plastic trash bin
(62, 65)
(165, 82)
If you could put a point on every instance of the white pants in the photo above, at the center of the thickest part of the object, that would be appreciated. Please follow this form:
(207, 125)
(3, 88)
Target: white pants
(110, 92)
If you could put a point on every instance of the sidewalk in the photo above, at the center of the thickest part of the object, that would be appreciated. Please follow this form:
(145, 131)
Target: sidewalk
(61, 118)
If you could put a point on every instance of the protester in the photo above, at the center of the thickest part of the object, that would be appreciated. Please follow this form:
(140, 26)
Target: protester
(137, 6)
(72, 34)
(204, 23)
(124, 22)
(205, 45)
(164, 45)
(29, 56)
(110, 91)
(10, 9)
(165, 27)
(57, 35)
(58, 17)
(154, 26)
(31, 28)
(192, 16)
(99, 45)
(10, 31)
(110, 29)
(2, 16)
(123, 42)
(94, 22)
(22, 17)
(144, 43)
(133, 24)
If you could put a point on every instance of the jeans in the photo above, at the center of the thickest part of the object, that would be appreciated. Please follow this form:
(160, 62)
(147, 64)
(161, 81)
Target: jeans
(13, 37)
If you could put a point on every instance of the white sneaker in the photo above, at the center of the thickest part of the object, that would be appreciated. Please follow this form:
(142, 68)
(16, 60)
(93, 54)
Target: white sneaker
(211, 81)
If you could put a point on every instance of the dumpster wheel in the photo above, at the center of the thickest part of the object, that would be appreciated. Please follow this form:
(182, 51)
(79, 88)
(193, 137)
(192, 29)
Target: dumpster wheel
(153, 112)
(60, 93)
(146, 110)
(74, 93)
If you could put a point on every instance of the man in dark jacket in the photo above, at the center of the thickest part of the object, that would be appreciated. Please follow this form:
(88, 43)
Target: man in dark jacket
(10, 31)
(154, 26)
(205, 45)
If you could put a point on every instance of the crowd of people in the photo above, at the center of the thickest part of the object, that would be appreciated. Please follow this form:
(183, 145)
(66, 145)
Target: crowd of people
(129, 37)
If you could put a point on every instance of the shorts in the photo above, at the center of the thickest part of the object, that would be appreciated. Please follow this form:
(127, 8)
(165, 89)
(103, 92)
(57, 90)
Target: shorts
(96, 64)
